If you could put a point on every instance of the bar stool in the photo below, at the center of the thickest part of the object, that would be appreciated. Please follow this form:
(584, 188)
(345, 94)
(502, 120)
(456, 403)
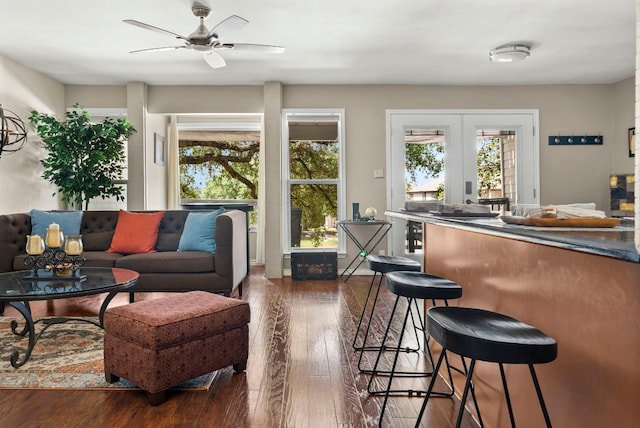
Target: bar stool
(488, 336)
(380, 265)
(413, 286)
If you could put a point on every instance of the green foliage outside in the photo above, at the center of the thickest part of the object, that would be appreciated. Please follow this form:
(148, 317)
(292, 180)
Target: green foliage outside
(428, 161)
(84, 158)
(231, 171)
(314, 160)
(489, 165)
(231, 168)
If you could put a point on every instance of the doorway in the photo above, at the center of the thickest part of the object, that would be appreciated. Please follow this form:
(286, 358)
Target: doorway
(458, 157)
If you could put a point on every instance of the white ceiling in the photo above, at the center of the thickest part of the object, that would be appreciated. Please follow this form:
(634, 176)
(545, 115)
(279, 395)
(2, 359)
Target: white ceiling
(440, 42)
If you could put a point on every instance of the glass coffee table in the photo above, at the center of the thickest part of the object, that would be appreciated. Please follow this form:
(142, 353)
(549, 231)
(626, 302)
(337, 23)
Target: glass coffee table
(19, 288)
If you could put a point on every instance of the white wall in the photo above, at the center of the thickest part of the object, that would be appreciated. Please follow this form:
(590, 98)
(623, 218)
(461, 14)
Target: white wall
(623, 119)
(568, 174)
(156, 188)
(21, 183)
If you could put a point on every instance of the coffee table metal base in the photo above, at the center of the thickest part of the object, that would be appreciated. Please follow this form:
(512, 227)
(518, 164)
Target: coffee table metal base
(29, 326)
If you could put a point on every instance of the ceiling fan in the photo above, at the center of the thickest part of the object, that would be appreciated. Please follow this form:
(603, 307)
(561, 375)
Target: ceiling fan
(205, 41)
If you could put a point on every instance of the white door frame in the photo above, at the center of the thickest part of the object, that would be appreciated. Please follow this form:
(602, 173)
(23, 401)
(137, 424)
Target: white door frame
(527, 156)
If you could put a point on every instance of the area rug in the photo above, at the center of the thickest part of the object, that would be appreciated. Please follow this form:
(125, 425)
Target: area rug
(67, 356)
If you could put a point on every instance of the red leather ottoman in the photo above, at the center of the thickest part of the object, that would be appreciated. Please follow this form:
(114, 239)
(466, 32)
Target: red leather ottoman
(158, 344)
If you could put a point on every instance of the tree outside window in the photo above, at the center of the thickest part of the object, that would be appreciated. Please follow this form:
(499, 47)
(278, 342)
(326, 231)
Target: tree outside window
(219, 165)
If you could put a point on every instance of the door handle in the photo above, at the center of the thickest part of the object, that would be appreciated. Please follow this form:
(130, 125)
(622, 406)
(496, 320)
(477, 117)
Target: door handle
(467, 187)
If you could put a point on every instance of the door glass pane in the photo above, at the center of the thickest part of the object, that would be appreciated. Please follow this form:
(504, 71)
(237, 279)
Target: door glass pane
(424, 175)
(496, 168)
(424, 164)
(313, 215)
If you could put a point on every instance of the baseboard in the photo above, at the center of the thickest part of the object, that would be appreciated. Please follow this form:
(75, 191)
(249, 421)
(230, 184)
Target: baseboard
(358, 272)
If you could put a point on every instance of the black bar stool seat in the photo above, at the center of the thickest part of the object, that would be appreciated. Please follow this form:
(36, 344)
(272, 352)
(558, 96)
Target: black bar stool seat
(490, 336)
(419, 285)
(386, 264)
(483, 335)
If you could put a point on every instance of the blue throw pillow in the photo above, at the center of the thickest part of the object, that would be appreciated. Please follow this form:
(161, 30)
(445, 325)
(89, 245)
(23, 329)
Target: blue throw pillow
(199, 232)
(69, 221)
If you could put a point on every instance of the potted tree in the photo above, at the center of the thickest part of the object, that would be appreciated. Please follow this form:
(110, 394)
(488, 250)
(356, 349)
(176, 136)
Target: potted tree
(84, 158)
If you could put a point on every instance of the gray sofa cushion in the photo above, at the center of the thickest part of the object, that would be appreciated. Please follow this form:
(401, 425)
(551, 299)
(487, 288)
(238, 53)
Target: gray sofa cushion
(168, 261)
(100, 258)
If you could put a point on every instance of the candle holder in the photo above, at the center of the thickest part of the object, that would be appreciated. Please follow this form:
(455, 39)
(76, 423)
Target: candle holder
(53, 263)
(73, 245)
(35, 245)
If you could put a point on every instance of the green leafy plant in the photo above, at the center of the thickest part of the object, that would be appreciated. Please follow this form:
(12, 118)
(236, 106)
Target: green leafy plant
(317, 236)
(84, 158)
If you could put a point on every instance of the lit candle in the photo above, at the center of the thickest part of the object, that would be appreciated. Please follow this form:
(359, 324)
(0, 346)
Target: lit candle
(53, 236)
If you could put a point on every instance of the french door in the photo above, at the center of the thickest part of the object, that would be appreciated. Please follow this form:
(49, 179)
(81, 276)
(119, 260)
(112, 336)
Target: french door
(456, 143)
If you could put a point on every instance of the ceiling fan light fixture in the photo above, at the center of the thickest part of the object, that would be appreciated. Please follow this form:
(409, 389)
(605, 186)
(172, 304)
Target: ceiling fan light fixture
(510, 53)
(201, 48)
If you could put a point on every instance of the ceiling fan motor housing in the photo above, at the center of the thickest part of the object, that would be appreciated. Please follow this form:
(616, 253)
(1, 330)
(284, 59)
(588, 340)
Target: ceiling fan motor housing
(201, 11)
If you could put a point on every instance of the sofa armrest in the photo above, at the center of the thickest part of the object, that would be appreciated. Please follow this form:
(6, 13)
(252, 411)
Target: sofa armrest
(231, 247)
(14, 229)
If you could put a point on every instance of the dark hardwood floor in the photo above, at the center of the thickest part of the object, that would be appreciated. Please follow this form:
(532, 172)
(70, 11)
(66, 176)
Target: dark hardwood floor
(302, 371)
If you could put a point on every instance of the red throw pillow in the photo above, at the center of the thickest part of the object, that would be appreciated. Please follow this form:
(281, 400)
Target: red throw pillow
(136, 232)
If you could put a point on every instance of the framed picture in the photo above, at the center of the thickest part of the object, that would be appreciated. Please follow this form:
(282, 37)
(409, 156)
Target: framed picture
(632, 142)
(158, 149)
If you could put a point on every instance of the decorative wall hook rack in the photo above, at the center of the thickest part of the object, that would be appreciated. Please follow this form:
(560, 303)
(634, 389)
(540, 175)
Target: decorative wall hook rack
(576, 140)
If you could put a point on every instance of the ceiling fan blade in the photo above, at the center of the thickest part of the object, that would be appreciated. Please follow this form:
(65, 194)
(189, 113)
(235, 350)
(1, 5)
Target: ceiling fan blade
(249, 47)
(214, 60)
(228, 26)
(152, 28)
(164, 48)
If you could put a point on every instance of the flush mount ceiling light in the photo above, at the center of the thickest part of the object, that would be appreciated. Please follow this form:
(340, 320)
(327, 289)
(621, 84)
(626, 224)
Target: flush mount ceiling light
(510, 53)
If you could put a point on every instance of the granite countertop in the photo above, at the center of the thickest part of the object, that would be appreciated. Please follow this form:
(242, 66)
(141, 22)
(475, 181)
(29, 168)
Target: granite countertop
(617, 242)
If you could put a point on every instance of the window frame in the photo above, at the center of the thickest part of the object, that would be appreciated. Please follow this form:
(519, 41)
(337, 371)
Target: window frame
(218, 124)
(315, 115)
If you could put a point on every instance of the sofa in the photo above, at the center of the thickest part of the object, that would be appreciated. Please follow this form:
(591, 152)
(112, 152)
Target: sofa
(165, 269)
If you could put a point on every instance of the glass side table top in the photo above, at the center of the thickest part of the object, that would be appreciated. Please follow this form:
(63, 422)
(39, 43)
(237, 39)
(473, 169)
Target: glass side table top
(363, 222)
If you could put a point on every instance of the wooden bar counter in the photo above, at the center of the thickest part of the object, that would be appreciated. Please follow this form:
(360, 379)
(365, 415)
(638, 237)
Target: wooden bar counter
(581, 288)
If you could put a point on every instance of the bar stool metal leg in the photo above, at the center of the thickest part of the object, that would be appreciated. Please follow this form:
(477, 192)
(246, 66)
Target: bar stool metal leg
(364, 310)
(506, 395)
(540, 398)
(380, 265)
(383, 347)
(393, 373)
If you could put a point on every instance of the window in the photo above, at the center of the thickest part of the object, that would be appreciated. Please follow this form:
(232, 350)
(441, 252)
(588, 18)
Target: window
(111, 203)
(313, 162)
(219, 162)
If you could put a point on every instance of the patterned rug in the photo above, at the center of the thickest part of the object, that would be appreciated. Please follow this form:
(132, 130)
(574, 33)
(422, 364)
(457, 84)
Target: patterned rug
(67, 356)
